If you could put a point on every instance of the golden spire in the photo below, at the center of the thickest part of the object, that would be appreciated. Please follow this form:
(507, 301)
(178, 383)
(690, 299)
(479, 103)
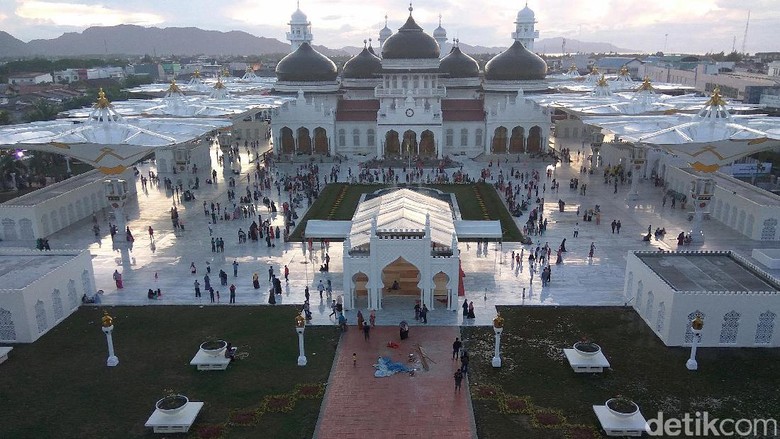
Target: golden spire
(646, 85)
(697, 323)
(102, 101)
(573, 68)
(602, 82)
(197, 73)
(594, 70)
(219, 85)
(715, 99)
(300, 321)
(498, 322)
(173, 88)
(108, 321)
(624, 71)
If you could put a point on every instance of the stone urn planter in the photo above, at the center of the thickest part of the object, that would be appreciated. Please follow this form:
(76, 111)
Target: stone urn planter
(172, 404)
(587, 348)
(622, 407)
(215, 348)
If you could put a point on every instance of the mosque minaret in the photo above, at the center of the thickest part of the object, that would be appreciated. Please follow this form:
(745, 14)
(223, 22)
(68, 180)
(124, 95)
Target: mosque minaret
(524, 28)
(300, 29)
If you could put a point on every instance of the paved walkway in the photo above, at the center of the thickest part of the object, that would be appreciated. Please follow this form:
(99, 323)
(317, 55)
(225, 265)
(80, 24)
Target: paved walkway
(358, 405)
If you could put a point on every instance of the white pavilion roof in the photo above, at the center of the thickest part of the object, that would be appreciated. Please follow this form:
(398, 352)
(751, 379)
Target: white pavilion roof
(189, 106)
(259, 85)
(403, 210)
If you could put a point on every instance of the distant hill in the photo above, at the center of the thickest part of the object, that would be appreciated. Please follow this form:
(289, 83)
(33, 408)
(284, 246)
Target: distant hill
(553, 45)
(10, 46)
(187, 41)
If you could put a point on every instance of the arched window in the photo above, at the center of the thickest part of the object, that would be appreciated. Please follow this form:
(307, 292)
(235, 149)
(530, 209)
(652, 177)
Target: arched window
(40, 317)
(7, 326)
(464, 137)
(370, 137)
(56, 300)
(448, 137)
(765, 327)
(630, 285)
(639, 296)
(342, 137)
(478, 137)
(356, 137)
(659, 322)
(729, 328)
(649, 306)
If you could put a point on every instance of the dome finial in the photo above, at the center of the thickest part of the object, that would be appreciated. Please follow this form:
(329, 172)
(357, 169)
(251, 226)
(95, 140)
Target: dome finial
(439, 20)
(410, 9)
(365, 44)
(385, 20)
(369, 42)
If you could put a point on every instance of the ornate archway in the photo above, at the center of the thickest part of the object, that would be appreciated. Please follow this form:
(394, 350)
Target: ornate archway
(498, 145)
(409, 144)
(392, 144)
(287, 141)
(320, 141)
(516, 141)
(360, 284)
(440, 290)
(401, 278)
(427, 144)
(304, 141)
(534, 140)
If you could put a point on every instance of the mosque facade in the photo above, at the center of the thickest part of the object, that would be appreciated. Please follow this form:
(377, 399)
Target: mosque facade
(411, 99)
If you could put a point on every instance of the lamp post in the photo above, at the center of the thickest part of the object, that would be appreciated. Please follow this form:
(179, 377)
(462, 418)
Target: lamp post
(498, 328)
(637, 160)
(13, 182)
(300, 327)
(108, 326)
(696, 325)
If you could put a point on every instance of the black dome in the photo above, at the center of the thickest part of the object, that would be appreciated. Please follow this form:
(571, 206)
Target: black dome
(459, 65)
(306, 64)
(362, 66)
(410, 42)
(515, 64)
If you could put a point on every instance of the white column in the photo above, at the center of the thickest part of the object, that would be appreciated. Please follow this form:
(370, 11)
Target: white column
(496, 361)
(633, 192)
(691, 364)
(301, 355)
(112, 358)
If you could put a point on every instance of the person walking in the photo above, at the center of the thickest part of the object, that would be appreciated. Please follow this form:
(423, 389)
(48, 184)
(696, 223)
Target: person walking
(592, 250)
(321, 288)
(306, 293)
(465, 308)
(456, 348)
(151, 233)
(464, 362)
(193, 270)
(424, 314)
(614, 225)
(286, 273)
(232, 293)
(366, 331)
(576, 229)
(211, 294)
(458, 379)
(471, 310)
(235, 268)
(197, 289)
(618, 225)
(270, 273)
(372, 318)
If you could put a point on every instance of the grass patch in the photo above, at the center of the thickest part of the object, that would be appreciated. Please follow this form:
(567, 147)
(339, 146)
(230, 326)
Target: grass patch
(537, 395)
(60, 386)
(338, 201)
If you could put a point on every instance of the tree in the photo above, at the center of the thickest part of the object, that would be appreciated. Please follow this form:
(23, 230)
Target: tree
(8, 165)
(42, 109)
(5, 118)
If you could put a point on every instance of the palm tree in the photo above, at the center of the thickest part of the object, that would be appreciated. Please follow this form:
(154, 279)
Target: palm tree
(8, 165)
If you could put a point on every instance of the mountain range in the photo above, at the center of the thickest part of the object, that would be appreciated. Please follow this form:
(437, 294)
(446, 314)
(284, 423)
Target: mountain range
(187, 41)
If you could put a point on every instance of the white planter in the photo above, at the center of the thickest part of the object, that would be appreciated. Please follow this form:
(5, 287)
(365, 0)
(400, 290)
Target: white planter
(214, 351)
(171, 411)
(586, 353)
(622, 414)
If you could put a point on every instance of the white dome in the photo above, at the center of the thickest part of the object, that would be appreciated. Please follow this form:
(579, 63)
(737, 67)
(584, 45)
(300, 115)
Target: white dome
(525, 14)
(385, 33)
(299, 17)
(439, 32)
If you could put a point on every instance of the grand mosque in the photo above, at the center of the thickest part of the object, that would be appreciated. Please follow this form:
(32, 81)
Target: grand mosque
(412, 98)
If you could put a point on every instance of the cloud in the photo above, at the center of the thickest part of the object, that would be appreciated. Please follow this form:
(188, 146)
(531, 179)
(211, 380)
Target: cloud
(82, 15)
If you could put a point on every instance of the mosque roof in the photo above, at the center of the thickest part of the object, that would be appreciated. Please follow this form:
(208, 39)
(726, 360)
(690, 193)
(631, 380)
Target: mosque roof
(459, 65)
(306, 64)
(516, 64)
(362, 66)
(403, 209)
(410, 42)
(525, 14)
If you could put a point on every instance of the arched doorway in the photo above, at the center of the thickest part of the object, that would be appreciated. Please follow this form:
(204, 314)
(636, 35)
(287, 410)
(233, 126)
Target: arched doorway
(534, 140)
(287, 141)
(427, 144)
(320, 141)
(401, 278)
(410, 143)
(440, 291)
(499, 141)
(392, 144)
(304, 141)
(516, 141)
(360, 284)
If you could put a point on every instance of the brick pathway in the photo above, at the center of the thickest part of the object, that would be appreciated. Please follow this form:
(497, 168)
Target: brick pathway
(358, 405)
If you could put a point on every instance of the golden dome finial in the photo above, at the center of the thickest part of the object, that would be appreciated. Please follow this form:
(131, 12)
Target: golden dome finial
(624, 71)
(498, 322)
(197, 73)
(594, 70)
(102, 101)
(602, 82)
(697, 323)
(108, 321)
(573, 68)
(173, 88)
(219, 85)
(716, 100)
(646, 85)
(300, 321)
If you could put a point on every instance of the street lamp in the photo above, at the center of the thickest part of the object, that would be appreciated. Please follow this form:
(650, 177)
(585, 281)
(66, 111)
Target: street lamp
(696, 325)
(108, 326)
(498, 328)
(300, 327)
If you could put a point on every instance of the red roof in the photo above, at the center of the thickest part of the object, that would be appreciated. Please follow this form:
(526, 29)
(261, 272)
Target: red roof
(362, 110)
(463, 110)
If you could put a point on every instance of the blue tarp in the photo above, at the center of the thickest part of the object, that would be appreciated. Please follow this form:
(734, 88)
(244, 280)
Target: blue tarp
(386, 367)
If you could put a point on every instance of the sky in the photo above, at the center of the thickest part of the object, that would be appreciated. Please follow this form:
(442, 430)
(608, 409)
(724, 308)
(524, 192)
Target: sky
(690, 26)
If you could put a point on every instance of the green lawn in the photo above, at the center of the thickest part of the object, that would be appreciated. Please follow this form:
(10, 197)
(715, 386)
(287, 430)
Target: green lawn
(60, 387)
(338, 201)
(536, 385)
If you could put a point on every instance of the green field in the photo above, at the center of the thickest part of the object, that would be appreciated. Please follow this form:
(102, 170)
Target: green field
(338, 201)
(60, 387)
(535, 394)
